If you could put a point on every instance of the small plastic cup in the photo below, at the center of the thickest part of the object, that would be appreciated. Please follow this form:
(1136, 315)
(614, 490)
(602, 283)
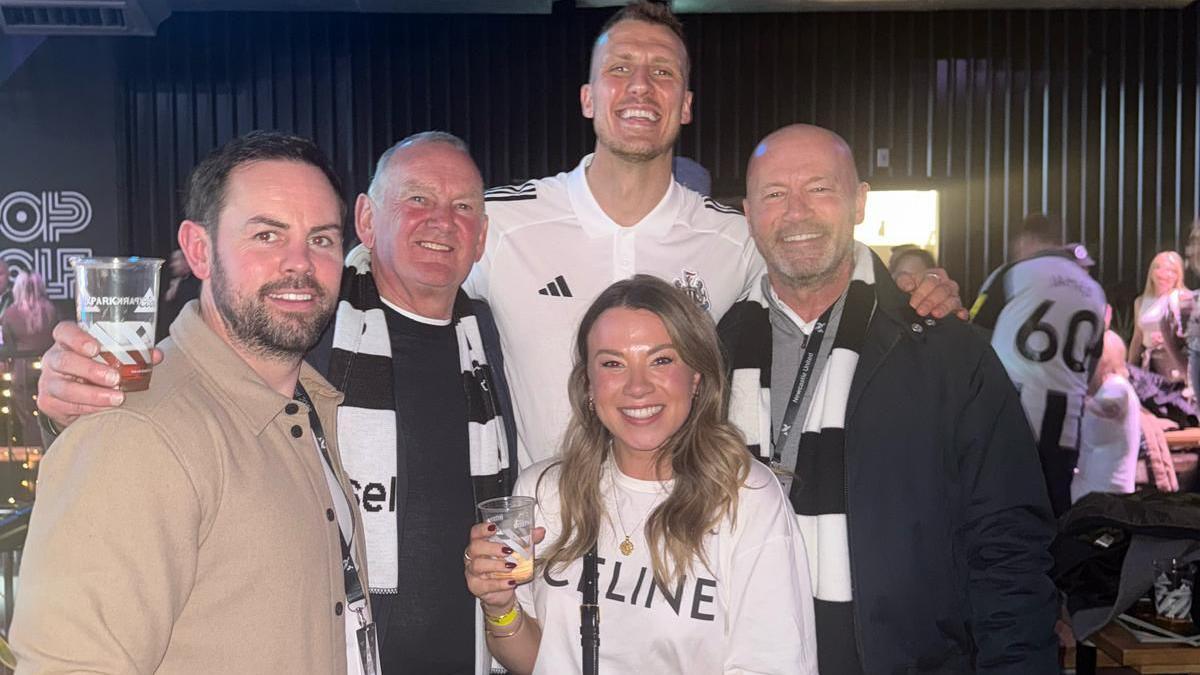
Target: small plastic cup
(1173, 584)
(513, 518)
(116, 302)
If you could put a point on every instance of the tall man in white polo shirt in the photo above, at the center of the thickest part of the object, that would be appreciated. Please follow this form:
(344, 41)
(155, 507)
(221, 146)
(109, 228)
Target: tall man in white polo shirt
(555, 243)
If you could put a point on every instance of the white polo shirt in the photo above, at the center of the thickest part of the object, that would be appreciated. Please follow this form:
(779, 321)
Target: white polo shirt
(551, 250)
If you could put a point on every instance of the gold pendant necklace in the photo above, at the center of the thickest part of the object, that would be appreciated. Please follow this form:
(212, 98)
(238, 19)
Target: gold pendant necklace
(625, 547)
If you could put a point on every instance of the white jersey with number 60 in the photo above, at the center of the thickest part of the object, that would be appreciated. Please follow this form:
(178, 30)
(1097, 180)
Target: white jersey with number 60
(1047, 320)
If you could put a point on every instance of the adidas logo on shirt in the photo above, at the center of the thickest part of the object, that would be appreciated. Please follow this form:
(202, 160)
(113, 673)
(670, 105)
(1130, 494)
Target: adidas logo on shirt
(558, 288)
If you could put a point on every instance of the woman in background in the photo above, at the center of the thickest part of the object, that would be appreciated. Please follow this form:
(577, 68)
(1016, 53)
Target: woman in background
(26, 327)
(1160, 316)
(28, 322)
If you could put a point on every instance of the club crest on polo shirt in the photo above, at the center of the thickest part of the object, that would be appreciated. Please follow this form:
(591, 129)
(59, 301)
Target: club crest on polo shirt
(693, 285)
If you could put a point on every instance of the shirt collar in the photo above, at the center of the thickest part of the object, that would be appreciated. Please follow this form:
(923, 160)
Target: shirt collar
(218, 363)
(413, 315)
(783, 309)
(595, 221)
(868, 268)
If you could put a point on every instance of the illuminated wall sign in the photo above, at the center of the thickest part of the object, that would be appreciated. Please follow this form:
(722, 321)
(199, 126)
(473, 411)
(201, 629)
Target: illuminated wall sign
(43, 221)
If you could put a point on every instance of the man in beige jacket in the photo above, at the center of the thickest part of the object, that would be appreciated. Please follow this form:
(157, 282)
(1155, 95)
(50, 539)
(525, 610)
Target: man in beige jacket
(206, 526)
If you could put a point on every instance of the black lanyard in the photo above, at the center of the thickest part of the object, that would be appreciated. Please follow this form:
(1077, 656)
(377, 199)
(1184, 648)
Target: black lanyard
(808, 363)
(354, 589)
(589, 613)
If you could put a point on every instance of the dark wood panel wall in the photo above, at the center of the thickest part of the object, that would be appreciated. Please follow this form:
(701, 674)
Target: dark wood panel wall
(1092, 115)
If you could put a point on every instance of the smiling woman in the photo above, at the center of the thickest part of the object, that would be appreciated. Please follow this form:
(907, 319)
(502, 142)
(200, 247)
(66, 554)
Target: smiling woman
(1162, 312)
(642, 390)
(699, 544)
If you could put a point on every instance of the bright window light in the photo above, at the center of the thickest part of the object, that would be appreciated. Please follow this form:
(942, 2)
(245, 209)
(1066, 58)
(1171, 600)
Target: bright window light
(895, 217)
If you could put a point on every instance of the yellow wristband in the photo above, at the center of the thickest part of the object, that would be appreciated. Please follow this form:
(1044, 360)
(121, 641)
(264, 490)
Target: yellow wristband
(506, 618)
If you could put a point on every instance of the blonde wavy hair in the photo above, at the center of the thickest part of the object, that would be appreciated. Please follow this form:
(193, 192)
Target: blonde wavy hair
(1175, 261)
(707, 455)
(32, 307)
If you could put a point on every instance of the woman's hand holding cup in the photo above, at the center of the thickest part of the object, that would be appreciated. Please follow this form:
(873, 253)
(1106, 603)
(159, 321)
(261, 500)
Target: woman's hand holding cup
(489, 569)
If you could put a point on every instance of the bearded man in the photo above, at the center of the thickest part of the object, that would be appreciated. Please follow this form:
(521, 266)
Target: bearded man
(207, 524)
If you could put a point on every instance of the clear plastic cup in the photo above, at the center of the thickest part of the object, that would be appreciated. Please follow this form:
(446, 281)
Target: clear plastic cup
(513, 518)
(116, 302)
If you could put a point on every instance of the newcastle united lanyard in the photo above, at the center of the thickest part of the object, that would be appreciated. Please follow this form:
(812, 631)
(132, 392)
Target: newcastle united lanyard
(354, 589)
(808, 367)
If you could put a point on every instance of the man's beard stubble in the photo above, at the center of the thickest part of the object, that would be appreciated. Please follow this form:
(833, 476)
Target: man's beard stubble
(261, 332)
(638, 155)
(635, 153)
(811, 276)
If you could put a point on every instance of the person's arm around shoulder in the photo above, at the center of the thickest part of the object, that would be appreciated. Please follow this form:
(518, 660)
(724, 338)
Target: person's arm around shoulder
(1007, 526)
(112, 551)
(933, 294)
(768, 585)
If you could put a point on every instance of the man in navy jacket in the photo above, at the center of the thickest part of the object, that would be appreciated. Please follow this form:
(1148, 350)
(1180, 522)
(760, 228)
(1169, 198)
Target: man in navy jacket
(900, 440)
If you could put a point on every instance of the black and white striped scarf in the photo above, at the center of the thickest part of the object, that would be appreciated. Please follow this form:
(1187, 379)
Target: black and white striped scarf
(818, 492)
(360, 366)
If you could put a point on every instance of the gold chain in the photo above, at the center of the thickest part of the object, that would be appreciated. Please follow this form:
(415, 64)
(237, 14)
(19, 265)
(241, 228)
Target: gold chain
(626, 546)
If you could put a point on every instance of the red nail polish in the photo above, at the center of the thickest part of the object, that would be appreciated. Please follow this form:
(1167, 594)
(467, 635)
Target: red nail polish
(511, 565)
(512, 582)
(492, 527)
(506, 550)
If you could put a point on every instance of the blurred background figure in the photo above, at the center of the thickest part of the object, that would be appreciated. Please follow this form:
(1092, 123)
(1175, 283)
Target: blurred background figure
(6, 294)
(1159, 317)
(1191, 333)
(1046, 292)
(1111, 429)
(1038, 232)
(26, 326)
(692, 175)
(28, 321)
(910, 259)
(1191, 256)
(178, 287)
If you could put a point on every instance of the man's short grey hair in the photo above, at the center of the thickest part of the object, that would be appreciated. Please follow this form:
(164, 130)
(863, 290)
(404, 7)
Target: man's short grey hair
(375, 189)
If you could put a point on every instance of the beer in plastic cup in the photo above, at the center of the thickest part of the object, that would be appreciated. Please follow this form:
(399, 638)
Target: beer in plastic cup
(116, 302)
(513, 518)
